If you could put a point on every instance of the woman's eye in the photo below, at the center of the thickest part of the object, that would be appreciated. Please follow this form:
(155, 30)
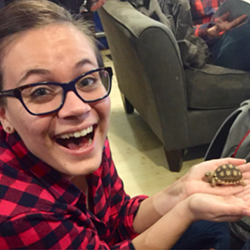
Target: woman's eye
(39, 92)
(87, 82)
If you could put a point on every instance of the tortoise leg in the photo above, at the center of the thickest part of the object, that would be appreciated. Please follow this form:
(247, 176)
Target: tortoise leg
(213, 182)
(243, 183)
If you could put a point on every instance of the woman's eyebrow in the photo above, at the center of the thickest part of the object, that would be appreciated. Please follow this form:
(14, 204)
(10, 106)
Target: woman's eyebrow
(46, 72)
(84, 62)
(33, 72)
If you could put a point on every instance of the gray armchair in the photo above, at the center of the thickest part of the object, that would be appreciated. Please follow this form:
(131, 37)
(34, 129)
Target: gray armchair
(184, 108)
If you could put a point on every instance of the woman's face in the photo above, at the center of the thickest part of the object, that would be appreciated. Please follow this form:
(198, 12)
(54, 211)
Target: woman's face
(57, 53)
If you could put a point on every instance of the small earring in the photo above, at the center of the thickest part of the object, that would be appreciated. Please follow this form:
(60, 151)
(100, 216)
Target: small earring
(9, 130)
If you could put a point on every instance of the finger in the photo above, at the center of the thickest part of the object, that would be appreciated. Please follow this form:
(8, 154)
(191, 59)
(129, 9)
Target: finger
(245, 168)
(237, 21)
(97, 5)
(245, 196)
(237, 210)
(232, 213)
(224, 16)
(228, 218)
(246, 188)
(234, 161)
(245, 175)
(246, 199)
(228, 190)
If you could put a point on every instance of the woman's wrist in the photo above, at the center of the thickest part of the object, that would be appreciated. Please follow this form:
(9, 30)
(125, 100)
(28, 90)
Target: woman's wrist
(168, 198)
(186, 211)
(158, 205)
(165, 232)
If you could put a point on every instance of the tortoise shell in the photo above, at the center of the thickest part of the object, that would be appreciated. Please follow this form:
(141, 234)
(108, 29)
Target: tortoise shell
(226, 174)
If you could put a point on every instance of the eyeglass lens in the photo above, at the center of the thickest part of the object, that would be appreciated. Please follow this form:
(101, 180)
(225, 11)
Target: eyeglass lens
(48, 97)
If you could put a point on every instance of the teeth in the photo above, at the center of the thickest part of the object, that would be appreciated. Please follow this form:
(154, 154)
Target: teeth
(78, 133)
(89, 142)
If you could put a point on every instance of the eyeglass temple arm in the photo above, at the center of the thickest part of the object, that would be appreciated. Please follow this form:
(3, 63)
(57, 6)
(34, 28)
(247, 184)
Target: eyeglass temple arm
(110, 71)
(10, 93)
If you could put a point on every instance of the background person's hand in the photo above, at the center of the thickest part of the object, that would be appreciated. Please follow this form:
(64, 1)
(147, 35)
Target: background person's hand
(222, 25)
(97, 4)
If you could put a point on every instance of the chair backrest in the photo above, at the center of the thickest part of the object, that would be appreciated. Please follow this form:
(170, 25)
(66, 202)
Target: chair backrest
(148, 67)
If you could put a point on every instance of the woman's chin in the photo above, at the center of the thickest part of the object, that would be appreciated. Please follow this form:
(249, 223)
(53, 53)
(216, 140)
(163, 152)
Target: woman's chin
(80, 165)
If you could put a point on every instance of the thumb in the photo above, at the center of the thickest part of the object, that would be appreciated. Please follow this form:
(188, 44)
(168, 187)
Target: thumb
(246, 211)
(224, 16)
(238, 211)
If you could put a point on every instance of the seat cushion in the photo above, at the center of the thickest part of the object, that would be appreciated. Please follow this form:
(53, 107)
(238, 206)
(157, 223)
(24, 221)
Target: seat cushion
(214, 87)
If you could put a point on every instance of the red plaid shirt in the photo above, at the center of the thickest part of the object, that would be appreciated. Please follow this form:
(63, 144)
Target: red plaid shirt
(202, 12)
(39, 209)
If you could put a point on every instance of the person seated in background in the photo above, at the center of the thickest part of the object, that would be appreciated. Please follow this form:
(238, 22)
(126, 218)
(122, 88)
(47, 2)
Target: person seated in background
(203, 20)
(200, 32)
(59, 185)
(226, 36)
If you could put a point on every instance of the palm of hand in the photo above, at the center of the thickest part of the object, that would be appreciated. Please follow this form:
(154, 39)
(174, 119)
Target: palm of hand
(195, 182)
(217, 208)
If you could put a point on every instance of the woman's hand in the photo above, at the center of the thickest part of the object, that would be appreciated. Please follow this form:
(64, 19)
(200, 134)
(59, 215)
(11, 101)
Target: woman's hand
(195, 182)
(216, 208)
(164, 232)
(192, 183)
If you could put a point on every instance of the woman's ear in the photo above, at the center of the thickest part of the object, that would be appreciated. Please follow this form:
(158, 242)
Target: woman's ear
(8, 128)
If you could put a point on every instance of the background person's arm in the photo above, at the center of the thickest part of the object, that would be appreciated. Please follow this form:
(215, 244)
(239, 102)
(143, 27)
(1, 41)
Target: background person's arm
(217, 26)
(222, 25)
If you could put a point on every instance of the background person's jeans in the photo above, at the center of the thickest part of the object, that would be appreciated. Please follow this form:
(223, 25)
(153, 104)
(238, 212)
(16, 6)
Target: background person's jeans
(205, 235)
(247, 245)
(232, 49)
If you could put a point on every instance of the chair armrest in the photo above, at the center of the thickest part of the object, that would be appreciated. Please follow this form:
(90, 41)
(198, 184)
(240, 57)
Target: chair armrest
(158, 52)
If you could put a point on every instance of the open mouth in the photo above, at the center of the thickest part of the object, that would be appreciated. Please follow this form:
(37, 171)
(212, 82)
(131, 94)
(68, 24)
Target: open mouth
(77, 140)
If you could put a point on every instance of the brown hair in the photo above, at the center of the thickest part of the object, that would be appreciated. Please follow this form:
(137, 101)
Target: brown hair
(23, 15)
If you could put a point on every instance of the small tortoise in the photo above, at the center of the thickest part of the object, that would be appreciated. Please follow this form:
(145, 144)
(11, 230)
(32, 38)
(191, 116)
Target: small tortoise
(227, 174)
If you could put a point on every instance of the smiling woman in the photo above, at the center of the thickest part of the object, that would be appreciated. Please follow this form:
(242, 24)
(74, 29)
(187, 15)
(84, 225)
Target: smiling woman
(59, 188)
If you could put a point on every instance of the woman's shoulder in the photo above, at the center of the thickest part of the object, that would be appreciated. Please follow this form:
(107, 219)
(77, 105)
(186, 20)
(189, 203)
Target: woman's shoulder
(21, 193)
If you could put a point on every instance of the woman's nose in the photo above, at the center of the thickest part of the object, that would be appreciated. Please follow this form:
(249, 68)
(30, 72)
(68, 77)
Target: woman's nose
(73, 106)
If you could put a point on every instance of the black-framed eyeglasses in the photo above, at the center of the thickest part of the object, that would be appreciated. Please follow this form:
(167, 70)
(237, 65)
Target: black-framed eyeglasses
(47, 97)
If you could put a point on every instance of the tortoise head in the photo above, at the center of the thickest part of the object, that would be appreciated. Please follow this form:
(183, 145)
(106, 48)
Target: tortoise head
(209, 175)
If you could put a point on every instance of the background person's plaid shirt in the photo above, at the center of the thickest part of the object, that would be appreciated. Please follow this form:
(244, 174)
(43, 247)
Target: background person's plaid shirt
(41, 210)
(202, 12)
